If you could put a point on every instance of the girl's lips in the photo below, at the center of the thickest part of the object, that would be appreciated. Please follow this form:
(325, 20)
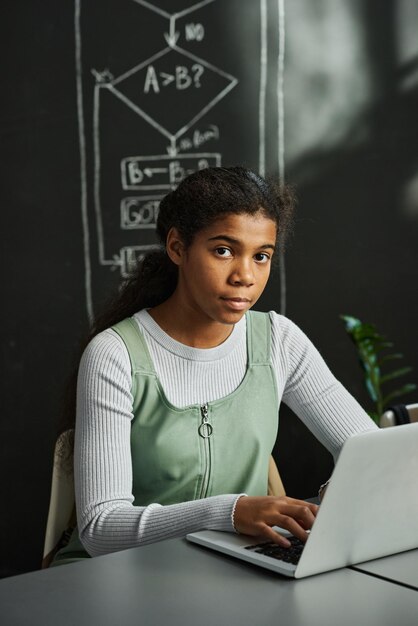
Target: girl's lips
(238, 304)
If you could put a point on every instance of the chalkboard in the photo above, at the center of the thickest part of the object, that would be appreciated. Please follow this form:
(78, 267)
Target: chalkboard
(107, 104)
(164, 89)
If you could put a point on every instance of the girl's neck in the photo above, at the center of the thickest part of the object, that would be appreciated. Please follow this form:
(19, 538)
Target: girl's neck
(187, 327)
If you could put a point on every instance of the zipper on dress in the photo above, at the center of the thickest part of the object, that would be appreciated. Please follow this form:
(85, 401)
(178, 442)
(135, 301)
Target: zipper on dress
(205, 431)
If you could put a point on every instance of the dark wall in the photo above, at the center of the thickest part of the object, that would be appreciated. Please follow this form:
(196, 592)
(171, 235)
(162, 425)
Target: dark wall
(355, 246)
(43, 297)
(68, 121)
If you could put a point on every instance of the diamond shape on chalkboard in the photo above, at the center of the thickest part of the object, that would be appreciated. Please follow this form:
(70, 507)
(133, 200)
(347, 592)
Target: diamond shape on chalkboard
(175, 7)
(172, 90)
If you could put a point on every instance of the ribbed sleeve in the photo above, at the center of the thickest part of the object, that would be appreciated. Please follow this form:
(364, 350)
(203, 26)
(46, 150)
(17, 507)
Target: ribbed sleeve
(311, 390)
(107, 519)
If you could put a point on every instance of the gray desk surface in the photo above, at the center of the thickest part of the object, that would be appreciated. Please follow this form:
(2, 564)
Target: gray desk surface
(401, 568)
(177, 583)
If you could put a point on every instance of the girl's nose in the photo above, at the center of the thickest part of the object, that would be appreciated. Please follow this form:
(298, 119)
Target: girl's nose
(243, 274)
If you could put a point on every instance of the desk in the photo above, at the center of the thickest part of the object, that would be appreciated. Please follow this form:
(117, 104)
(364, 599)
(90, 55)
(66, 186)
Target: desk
(176, 583)
(401, 568)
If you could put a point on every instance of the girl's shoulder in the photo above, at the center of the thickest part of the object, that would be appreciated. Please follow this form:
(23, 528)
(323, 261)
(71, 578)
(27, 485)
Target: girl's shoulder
(282, 325)
(104, 348)
(287, 337)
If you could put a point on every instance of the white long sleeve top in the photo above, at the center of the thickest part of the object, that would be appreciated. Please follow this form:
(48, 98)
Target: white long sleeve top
(107, 519)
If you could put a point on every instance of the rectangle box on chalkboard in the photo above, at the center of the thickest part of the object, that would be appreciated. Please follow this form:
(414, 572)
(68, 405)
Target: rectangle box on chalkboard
(139, 212)
(162, 171)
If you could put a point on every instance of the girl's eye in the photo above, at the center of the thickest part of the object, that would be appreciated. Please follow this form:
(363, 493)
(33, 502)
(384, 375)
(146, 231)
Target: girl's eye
(262, 257)
(223, 252)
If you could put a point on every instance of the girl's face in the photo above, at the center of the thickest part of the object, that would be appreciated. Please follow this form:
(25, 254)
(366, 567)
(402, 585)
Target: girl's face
(225, 269)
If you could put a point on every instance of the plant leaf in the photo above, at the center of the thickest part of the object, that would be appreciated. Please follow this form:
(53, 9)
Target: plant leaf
(386, 344)
(390, 357)
(371, 388)
(399, 392)
(369, 344)
(350, 321)
(395, 374)
(366, 332)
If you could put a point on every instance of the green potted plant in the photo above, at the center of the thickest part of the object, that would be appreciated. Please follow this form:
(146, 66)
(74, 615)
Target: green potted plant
(374, 353)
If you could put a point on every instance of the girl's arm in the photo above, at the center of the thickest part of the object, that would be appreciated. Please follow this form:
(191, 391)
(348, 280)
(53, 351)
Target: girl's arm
(311, 390)
(107, 519)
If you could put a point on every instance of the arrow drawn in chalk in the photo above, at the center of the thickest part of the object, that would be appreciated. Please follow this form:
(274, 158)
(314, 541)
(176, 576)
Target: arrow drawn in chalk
(173, 35)
(149, 171)
(172, 148)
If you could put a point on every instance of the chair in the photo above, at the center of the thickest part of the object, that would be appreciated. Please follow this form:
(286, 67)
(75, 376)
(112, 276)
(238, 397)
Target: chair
(399, 414)
(275, 485)
(61, 514)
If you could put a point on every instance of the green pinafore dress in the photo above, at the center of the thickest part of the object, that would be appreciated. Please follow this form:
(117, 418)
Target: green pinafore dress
(220, 447)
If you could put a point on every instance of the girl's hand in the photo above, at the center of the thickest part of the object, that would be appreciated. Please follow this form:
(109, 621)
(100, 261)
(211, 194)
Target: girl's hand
(256, 516)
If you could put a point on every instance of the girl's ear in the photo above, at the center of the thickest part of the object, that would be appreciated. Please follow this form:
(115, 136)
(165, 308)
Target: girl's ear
(175, 246)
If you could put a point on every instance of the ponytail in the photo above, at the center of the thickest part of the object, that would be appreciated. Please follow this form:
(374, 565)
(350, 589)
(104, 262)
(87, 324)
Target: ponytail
(152, 282)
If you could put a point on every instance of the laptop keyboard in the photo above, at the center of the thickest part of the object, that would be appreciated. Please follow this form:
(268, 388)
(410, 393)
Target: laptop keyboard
(288, 555)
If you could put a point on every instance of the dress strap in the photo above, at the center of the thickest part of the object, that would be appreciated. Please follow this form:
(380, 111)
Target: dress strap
(139, 355)
(258, 338)
(136, 346)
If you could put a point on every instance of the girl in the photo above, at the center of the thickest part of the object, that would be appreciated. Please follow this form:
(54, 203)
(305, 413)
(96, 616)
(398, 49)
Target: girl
(177, 402)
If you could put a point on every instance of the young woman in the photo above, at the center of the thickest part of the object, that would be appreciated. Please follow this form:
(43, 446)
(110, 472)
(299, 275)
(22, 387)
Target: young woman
(179, 390)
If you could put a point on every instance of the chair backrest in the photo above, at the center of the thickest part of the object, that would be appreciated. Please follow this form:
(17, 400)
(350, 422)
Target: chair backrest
(61, 512)
(275, 485)
(390, 417)
(413, 412)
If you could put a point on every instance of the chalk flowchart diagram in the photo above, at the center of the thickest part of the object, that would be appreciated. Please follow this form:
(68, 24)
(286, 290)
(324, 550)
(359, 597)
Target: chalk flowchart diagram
(173, 73)
(156, 90)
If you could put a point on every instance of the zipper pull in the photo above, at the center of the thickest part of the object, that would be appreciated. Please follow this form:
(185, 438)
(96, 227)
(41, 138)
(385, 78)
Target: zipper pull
(205, 428)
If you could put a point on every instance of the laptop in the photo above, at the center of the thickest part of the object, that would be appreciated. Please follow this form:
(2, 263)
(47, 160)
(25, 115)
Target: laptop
(370, 510)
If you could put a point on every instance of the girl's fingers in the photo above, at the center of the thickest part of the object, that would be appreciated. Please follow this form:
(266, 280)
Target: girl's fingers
(294, 528)
(294, 518)
(300, 513)
(275, 537)
(314, 508)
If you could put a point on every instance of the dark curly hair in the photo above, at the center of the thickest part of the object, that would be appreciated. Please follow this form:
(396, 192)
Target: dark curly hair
(200, 199)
